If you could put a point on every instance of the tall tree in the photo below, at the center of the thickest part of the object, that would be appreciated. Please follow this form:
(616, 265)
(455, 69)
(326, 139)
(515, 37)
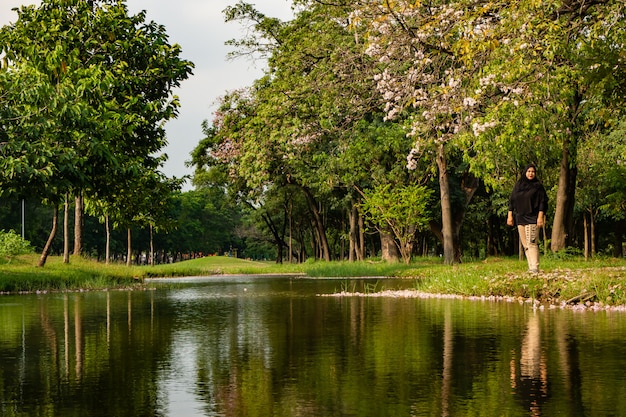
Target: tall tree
(314, 107)
(561, 60)
(430, 57)
(91, 89)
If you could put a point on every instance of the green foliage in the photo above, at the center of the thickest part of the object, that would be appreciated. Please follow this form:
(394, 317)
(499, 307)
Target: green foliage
(342, 87)
(612, 173)
(402, 209)
(11, 244)
(86, 89)
(539, 82)
(304, 124)
(206, 221)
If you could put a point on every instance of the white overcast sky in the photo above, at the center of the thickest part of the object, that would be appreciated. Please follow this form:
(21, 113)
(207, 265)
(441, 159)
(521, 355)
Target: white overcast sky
(198, 27)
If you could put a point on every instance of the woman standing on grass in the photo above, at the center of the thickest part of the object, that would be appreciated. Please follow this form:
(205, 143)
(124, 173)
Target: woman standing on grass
(529, 202)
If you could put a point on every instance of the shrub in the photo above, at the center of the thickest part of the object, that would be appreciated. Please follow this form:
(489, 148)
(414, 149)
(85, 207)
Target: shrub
(12, 244)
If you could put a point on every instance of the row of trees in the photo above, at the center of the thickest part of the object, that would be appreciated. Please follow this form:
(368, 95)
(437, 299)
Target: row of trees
(396, 128)
(204, 222)
(85, 89)
(413, 119)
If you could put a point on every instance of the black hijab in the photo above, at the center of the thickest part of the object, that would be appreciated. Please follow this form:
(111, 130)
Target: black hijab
(524, 184)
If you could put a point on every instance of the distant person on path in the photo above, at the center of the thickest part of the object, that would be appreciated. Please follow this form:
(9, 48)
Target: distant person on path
(529, 202)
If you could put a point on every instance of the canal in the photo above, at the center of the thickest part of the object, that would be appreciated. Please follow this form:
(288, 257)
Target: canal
(276, 346)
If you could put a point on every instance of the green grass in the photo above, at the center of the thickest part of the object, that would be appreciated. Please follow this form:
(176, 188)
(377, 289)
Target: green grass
(563, 279)
(210, 265)
(574, 281)
(21, 274)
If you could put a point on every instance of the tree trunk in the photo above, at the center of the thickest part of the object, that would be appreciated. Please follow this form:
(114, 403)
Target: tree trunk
(494, 240)
(107, 249)
(357, 234)
(558, 227)
(278, 239)
(302, 247)
(279, 253)
(353, 234)
(469, 186)
(592, 233)
(129, 253)
(447, 230)
(319, 225)
(489, 247)
(78, 225)
(586, 236)
(564, 209)
(66, 232)
(151, 261)
(618, 242)
(53, 232)
(388, 246)
(290, 251)
(361, 248)
(317, 239)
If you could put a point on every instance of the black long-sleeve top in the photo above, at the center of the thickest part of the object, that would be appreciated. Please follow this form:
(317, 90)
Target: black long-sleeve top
(527, 200)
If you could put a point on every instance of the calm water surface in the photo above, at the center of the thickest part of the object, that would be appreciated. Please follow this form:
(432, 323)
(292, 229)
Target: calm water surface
(271, 346)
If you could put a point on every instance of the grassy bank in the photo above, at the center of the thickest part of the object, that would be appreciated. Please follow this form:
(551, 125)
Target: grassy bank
(21, 274)
(574, 281)
(571, 280)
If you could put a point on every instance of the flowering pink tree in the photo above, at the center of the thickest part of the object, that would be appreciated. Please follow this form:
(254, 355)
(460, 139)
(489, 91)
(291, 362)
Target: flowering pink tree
(503, 82)
(431, 58)
(560, 62)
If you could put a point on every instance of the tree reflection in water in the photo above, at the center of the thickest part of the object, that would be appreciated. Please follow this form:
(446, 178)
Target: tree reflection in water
(279, 349)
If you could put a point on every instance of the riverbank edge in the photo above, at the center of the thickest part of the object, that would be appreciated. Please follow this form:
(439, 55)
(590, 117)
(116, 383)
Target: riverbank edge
(144, 284)
(576, 283)
(534, 303)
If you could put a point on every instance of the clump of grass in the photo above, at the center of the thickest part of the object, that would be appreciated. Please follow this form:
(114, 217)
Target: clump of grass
(348, 287)
(354, 269)
(361, 287)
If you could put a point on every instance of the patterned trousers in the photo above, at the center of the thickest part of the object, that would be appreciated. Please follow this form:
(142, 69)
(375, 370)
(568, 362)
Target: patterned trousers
(528, 234)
